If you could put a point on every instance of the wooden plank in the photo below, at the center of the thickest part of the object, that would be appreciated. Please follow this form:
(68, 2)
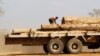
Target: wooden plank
(17, 36)
(21, 30)
(94, 33)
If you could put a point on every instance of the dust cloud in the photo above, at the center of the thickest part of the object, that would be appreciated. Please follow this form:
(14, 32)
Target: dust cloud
(16, 48)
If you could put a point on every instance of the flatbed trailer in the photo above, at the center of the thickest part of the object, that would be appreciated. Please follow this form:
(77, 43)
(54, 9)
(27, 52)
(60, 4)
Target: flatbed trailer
(56, 41)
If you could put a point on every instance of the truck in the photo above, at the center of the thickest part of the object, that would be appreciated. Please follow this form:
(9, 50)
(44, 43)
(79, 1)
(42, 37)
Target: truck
(68, 37)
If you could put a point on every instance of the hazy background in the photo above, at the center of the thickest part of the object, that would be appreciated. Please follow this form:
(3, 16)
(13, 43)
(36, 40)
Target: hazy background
(33, 13)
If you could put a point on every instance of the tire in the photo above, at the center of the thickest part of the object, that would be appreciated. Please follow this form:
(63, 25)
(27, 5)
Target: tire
(55, 46)
(45, 48)
(74, 46)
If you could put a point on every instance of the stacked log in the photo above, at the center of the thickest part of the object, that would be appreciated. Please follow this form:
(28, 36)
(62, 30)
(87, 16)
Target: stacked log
(75, 23)
(87, 27)
(80, 20)
(80, 23)
(49, 27)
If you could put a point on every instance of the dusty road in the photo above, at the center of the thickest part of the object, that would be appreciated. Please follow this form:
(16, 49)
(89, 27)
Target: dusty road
(81, 54)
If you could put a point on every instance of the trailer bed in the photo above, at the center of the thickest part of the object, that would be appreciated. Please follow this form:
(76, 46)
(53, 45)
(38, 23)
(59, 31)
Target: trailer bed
(52, 34)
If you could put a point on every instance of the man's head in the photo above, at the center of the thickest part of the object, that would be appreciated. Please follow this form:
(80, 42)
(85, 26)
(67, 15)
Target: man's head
(56, 17)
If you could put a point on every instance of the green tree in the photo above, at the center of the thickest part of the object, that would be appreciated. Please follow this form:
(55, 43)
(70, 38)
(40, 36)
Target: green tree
(95, 13)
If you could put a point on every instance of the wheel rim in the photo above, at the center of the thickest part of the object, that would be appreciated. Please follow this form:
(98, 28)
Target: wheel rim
(74, 46)
(55, 46)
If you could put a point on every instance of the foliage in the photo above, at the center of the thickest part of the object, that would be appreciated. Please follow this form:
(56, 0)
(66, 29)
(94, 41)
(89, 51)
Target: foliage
(95, 13)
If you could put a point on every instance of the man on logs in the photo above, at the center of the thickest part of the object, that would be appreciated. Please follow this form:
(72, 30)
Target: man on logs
(52, 20)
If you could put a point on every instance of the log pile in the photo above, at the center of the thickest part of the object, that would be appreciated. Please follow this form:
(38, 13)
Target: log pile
(75, 23)
(80, 23)
(80, 20)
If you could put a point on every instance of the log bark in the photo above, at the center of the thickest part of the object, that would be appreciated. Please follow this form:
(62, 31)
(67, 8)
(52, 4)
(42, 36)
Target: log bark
(80, 23)
(49, 27)
(80, 20)
(87, 27)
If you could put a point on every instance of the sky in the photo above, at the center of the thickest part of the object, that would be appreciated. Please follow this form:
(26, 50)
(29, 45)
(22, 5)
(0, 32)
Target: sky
(33, 13)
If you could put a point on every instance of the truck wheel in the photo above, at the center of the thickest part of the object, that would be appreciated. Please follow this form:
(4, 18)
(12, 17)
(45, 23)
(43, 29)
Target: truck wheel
(45, 48)
(74, 46)
(55, 46)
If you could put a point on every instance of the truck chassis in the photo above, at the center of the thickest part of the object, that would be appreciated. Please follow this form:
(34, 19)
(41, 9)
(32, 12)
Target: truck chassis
(56, 41)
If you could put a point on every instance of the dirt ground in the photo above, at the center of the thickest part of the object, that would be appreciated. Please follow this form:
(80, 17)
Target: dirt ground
(81, 54)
